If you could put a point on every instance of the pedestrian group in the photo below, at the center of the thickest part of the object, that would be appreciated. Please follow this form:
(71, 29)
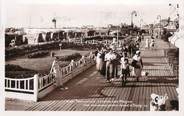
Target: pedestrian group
(113, 63)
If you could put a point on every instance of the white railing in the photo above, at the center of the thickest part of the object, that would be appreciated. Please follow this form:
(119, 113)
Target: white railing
(20, 84)
(45, 81)
(75, 68)
(39, 86)
(45, 84)
(21, 88)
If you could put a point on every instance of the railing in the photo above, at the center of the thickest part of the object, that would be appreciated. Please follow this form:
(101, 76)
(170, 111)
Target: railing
(22, 85)
(173, 62)
(75, 68)
(21, 88)
(39, 86)
(45, 81)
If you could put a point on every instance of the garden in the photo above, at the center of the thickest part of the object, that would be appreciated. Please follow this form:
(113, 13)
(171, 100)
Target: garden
(39, 62)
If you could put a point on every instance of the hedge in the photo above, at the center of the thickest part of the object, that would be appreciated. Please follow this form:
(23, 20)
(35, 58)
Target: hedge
(12, 67)
(15, 71)
(25, 49)
(38, 54)
(74, 56)
(19, 74)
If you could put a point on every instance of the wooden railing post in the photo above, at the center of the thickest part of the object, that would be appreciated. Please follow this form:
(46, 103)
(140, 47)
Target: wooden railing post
(36, 87)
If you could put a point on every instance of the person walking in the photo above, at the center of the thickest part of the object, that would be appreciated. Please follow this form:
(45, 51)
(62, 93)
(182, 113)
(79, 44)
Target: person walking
(115, 63)
(147, 43)
(99, 61)
(135, 48)
(137, 64)
(130, 49)
(152, 43)
(125, 50)
(102, 72)
(109, 57)
(125, 70)
(138, 38)
(142, 36)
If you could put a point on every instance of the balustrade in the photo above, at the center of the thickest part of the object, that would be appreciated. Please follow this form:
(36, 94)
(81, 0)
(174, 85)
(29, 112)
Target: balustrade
(37, 84)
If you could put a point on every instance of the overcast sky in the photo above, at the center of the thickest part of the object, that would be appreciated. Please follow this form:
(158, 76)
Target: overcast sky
(39, 13)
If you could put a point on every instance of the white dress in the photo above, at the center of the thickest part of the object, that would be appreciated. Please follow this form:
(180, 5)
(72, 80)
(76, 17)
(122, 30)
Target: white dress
(147, 43)
(99, 62)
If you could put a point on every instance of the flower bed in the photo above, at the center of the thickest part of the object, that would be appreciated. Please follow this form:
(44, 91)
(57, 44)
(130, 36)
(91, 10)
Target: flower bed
(15, 71)
(38, 54)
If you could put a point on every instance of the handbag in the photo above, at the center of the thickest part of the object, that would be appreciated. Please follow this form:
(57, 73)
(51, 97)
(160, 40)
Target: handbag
(134, 64)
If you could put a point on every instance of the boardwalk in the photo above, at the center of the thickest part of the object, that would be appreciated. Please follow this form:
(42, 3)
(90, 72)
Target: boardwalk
(89, 91)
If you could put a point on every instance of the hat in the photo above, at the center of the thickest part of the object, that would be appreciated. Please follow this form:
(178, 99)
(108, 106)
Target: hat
(137, 52)
(154, 97)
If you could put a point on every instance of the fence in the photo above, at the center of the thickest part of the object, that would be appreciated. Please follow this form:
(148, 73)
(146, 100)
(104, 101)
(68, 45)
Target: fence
(173, 60)
(75, 68)
(36, 87)
(21, 88)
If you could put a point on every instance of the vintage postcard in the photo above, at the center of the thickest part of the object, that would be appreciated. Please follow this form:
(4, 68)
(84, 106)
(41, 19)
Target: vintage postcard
(89, 55)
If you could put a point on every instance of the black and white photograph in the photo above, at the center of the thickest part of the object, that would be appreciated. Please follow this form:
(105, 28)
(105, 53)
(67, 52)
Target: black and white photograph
(92, 55)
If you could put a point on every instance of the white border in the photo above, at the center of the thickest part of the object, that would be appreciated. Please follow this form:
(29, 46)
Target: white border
(141, 113)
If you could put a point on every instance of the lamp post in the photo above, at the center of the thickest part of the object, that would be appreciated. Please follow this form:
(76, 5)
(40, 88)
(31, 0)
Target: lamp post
(159, 17)
(141, 23)
(54, 21)
(133, 13)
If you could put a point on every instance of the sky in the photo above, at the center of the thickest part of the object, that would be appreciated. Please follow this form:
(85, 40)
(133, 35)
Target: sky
(39, 13)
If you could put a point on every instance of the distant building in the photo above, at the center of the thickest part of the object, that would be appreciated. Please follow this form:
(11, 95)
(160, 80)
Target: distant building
(164, 22)
(35, 36)
(170, 26)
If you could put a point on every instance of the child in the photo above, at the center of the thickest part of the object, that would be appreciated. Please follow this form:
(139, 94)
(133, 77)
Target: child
(125, 70)
(152, 44)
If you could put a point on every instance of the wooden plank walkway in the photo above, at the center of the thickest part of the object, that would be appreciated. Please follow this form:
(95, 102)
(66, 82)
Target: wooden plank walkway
(89, 91)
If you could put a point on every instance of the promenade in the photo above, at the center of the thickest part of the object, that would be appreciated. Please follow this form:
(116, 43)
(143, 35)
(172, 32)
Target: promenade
(89, 91)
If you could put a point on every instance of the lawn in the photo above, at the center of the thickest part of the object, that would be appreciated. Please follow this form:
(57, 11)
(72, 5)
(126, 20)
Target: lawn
(43, 64)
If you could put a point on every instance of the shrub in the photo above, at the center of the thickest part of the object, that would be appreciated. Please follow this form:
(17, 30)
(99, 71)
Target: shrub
(38, 54)
(12, 67)
(15, 71)
(25, 49)
(19, 74)
(63, 64)
(70, 57)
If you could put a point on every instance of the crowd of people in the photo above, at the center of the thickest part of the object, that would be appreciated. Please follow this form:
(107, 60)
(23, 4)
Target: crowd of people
(115, 63)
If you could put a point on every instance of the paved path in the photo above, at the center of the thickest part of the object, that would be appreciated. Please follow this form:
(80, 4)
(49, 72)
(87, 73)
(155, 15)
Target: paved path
(89, 91)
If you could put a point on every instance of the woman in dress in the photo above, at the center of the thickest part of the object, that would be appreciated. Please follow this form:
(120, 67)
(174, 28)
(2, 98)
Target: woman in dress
(147, 43)
(99, 61)
(138, 64)
(103, 70)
